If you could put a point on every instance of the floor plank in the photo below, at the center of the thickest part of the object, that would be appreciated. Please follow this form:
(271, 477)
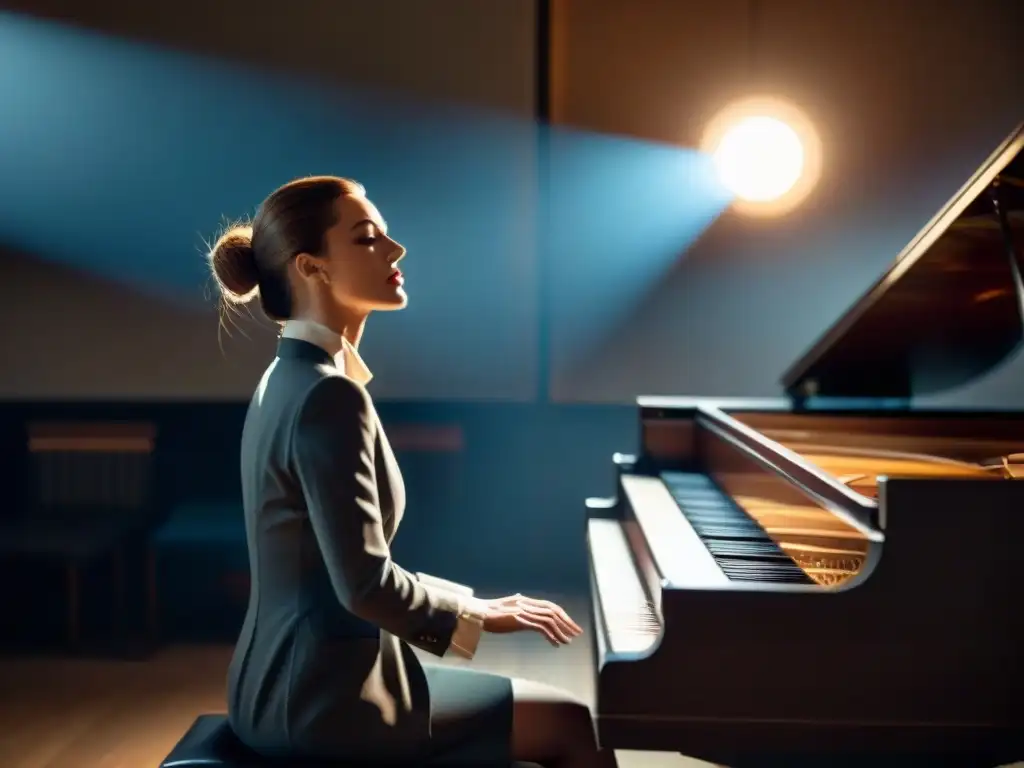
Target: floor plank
(64, 713)
(67, 713)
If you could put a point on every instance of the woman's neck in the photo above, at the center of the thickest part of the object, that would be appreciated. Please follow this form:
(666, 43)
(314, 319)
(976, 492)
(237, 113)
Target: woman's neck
(353, 331)
(348, 325)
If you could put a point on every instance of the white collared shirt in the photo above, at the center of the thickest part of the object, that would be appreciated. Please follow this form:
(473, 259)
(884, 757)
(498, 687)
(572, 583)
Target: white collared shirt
(346, 356)
(347, 360)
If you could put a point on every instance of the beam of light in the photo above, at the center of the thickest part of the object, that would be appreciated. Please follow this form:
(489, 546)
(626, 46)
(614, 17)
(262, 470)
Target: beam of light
(766, 152)
(119, 158)
(621, 214)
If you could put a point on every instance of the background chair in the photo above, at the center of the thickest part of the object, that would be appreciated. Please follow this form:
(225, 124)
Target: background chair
(89, 498)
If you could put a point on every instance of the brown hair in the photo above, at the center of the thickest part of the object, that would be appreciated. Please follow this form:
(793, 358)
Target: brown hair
(250, 259)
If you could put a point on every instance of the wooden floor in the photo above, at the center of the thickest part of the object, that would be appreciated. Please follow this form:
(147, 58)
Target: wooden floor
(66, 713)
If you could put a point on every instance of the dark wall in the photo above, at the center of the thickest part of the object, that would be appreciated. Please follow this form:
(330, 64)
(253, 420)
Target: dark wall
(501, 507)
(379, 45)
(908, 98)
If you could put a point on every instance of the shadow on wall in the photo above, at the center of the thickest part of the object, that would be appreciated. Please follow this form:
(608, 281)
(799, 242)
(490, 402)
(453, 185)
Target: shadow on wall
(84, 337)
(154, 147)
(329, 41)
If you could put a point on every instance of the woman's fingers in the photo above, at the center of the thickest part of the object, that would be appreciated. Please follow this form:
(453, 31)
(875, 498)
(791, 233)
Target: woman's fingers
(547, 608)
(542, 616)
(537, 626)
(560, 612)
(550, 619)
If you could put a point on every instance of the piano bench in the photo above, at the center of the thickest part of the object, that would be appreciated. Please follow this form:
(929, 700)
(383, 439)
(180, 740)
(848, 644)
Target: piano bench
(210, 743)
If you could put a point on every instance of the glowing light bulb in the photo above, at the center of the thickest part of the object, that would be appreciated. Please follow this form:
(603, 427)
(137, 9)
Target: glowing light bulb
(765, 153)
(759, 158)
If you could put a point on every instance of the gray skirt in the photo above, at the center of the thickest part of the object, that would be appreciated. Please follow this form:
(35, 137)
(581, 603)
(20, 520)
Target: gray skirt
(470, 717)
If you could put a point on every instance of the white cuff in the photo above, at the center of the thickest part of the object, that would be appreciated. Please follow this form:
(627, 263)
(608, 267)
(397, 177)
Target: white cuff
(467, 633)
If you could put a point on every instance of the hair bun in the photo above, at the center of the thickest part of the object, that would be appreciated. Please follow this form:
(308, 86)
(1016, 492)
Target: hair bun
(233, 262)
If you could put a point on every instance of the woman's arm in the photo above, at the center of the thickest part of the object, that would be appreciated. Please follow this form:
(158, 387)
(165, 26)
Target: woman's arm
(334, 441)
(444, 585)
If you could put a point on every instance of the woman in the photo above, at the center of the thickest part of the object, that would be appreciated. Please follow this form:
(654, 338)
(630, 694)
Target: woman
(323, 667)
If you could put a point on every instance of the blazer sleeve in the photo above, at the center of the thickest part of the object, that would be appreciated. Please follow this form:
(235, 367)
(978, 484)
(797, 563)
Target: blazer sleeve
(444, 585)
(334, 444)
(466, 637)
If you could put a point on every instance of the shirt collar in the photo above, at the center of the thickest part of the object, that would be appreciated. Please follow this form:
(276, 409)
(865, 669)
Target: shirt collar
(346, 357)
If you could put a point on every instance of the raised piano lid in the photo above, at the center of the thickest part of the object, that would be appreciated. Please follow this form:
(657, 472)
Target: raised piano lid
(949, 310)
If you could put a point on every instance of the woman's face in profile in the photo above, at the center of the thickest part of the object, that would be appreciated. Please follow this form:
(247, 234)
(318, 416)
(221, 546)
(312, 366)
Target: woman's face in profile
(361, 260)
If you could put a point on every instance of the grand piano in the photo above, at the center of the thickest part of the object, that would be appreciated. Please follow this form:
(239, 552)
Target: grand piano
(836, 575)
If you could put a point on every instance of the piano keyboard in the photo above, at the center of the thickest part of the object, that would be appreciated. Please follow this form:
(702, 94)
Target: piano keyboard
(737, 543)
(631, 623)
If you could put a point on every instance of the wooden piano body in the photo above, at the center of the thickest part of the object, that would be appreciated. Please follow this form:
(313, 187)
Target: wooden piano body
(837, 573)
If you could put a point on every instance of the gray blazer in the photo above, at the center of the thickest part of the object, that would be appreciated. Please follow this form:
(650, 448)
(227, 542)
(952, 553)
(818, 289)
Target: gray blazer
(322, 666)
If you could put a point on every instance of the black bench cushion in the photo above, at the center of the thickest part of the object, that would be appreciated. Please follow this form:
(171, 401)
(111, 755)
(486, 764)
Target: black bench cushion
(210, 743)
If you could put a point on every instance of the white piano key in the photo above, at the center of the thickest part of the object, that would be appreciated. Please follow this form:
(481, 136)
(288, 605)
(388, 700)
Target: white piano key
(629, 617)
(680, 555)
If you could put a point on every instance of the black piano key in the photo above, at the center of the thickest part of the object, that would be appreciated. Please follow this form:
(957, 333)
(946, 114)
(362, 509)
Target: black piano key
(729, 525)
(701, 499)
(741, 546)
(736, 541)
(751, 550)
(730, 533)
(724, 515)
(686, 480)
(769, 578)
(765, 566)
(721, 515)
(771, 573)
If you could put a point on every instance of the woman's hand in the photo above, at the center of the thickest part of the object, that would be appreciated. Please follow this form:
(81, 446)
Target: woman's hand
(517, 613)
